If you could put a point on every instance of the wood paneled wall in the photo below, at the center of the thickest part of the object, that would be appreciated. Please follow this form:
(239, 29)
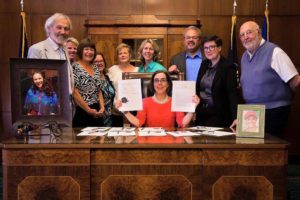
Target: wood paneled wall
(215, 16)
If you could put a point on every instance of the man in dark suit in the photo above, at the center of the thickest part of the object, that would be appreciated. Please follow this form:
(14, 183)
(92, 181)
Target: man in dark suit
(188, 61)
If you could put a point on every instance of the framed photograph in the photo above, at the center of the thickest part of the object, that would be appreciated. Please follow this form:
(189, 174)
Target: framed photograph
(40, 91)
(251, 121)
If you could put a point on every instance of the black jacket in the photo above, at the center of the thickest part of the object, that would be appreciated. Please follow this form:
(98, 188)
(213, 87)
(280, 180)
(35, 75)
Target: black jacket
(225, 91)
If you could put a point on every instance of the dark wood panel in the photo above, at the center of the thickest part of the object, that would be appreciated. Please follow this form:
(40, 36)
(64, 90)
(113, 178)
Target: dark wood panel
(51, 187)
(171, 7)
(9, 37)
(146, 187)
(115, 7)
(40, 7)
(107, 44)
(16, 175)
(153, 156)
(46, 157)
(245, 157)
(243, 187)
(181, 172)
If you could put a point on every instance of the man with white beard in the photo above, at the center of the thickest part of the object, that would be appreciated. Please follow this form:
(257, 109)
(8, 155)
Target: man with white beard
(57, 29)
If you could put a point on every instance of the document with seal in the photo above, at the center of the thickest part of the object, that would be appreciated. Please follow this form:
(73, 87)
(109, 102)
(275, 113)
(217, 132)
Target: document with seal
(130, 93)
(182, 96)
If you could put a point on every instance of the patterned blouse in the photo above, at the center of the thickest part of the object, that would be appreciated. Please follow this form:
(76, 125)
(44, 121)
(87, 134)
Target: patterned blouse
(108, 92)
(87, 85)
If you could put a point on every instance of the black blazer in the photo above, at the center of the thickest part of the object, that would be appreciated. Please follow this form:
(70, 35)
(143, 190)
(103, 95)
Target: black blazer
(225, 91)
(180, 61)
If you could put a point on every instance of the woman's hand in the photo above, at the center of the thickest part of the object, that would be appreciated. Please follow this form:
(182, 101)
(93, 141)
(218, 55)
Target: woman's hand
(233, 125)
(118, 104)
(196, 100)
(93, 112)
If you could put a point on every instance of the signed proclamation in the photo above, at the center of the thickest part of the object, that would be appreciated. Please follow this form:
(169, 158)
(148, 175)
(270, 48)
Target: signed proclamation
(182, 96)
(130, 93)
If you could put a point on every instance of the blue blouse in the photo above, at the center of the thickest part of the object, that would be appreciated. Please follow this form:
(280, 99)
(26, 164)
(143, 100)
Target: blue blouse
(38, 103)
(152, 67)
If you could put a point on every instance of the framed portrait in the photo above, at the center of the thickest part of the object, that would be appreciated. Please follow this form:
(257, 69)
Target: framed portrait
(251, 121)
(40, 91)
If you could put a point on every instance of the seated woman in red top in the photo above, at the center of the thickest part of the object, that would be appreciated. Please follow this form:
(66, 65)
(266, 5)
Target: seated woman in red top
(157, 109)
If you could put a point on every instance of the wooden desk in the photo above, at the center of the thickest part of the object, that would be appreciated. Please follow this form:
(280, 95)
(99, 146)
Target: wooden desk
(201, 167)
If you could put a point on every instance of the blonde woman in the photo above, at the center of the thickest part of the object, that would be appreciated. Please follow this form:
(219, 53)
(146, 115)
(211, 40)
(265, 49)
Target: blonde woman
(149, 54)
(124, 54)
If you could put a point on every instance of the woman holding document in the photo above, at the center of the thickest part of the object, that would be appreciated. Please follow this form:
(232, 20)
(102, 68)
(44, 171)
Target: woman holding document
(157, 109)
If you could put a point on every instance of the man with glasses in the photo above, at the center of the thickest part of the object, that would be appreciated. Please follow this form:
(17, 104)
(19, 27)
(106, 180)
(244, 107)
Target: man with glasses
(267, 77)
(188, 61)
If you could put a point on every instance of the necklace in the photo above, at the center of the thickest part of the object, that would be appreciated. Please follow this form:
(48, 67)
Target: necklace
(162, 101)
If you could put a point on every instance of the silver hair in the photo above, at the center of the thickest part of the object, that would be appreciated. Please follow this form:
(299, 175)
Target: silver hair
(198, 30)
(52, 19)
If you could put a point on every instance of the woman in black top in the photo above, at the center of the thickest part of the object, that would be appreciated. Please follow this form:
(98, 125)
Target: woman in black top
(217, 86)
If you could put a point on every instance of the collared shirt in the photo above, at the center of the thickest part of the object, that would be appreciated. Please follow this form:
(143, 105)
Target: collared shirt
(193, 66)
(281, 63)
(60, 53)
(152, 67)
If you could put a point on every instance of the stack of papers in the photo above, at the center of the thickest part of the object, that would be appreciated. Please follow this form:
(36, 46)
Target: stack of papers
(152, 131)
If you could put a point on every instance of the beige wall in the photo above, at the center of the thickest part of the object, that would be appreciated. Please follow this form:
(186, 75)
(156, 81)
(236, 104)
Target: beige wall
(215, 16)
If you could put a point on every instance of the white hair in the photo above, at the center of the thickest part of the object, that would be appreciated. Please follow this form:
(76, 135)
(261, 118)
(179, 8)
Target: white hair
(52, 19)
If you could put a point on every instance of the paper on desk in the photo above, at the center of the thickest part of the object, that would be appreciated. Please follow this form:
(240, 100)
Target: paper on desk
(217, 133)
(130, 93)
(204, 128)
(92, 133)
(182, 96)
(152, 133)
(183, 133)
(120, 133)
(151, 129)
(100, 129)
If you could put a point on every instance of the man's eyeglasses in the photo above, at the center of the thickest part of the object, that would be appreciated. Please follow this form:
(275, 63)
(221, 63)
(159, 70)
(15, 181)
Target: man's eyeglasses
(210, 48)
(162, 80)
(191, 37)
(248, 32)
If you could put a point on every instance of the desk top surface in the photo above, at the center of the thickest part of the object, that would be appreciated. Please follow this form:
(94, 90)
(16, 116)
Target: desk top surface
(69, 139)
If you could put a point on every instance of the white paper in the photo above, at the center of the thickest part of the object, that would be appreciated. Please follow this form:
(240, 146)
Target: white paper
(152, 133)
(217, 133)
(92, 133)
(99, 129)
(182, 96)
(130, 93)
(183, 133)
(204, 128)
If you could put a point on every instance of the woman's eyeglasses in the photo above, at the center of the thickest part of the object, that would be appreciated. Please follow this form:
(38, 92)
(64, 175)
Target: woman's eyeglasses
(162, 80)
(210, 48)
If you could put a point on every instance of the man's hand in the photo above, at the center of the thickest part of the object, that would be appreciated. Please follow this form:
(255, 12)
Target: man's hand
(173, 69)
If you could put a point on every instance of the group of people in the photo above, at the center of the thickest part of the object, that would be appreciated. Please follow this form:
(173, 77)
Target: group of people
(267, 77)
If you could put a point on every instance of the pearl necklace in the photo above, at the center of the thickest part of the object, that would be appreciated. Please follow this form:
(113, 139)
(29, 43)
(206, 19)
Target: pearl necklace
(160, 101)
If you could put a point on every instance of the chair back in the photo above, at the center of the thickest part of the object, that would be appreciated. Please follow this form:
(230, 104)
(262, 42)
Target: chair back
(146, 79)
